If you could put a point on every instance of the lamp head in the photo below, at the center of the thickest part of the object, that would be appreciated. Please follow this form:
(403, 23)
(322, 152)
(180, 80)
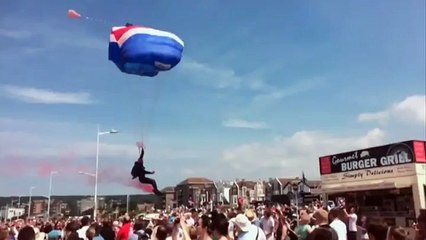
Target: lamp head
(86, 173)
(113, 131)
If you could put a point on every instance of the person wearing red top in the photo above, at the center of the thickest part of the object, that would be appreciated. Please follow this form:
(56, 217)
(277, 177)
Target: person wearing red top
(125, 230)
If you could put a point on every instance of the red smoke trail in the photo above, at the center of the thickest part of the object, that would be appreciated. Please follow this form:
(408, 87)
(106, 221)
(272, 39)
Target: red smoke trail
(13, 166)
(64, 165)
(144, 187)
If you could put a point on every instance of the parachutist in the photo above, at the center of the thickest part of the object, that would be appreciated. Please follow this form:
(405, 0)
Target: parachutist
(138, 171)
(129, 24)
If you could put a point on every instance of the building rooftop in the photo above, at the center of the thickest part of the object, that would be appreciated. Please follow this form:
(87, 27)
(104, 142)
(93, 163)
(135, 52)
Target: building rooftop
(168, 189)
(313, 183)
(285, 181)
(246, 183)
(195, 181)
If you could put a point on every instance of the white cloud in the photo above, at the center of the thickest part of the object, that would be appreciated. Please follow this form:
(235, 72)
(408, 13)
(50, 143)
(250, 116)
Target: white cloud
(44, 96)
(207, 75)
(239, 123)
(375, 116)
(411, 110)
(292, 90)
(15, 34)
(285, 156)
(226, 78)
(52, 35)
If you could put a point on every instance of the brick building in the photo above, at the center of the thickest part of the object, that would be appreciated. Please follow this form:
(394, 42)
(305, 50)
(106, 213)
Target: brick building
(169, 197)
(38, 207)
(250, 191)
(195, 191)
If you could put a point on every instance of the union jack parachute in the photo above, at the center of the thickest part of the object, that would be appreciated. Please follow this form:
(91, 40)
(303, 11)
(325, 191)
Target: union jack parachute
(144, 51)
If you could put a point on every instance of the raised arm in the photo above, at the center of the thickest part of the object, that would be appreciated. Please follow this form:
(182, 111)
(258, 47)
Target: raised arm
(141, 156)
(148, 172)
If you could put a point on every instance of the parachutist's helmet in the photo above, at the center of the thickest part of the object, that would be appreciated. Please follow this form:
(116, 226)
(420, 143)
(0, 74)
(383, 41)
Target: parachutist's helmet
(129, 24)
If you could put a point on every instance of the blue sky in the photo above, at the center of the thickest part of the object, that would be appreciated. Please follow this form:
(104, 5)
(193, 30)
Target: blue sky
(262, 90)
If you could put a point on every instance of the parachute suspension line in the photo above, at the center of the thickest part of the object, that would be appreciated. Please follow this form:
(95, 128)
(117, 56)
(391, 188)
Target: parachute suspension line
(149, 112)
(98, 20)
(135, 114)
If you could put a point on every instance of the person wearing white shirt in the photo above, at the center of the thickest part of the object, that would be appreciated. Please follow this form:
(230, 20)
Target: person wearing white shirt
(193, 218)
(338, 225)
(267, 224)
(84, 226)
(352, 217)
(231, 229)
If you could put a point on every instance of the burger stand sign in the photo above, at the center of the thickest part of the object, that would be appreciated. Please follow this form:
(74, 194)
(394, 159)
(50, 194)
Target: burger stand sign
(389, 161)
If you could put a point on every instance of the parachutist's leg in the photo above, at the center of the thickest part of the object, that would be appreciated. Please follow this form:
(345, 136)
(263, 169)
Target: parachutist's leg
(144, 180)
(156, 190)
(152, 182)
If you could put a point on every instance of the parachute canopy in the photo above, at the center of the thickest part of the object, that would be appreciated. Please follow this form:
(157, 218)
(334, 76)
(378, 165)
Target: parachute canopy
(144, 51)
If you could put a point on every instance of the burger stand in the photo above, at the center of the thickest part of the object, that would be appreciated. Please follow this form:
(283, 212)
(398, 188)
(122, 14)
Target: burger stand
(385, 182)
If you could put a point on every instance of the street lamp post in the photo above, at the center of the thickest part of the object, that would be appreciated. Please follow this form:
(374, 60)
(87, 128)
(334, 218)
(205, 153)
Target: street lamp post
(29, 201)
(50, 192)
(127, 203)
(112, 131)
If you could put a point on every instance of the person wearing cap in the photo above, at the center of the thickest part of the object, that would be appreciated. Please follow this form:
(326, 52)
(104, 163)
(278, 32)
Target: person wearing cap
(252, 217)
(323, 231)
(246, 230)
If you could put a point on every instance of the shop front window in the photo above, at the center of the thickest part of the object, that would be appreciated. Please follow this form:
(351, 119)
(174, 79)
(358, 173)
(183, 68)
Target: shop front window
(387, 204)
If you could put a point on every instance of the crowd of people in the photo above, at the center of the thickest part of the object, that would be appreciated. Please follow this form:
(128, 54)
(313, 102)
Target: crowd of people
(262, 223)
